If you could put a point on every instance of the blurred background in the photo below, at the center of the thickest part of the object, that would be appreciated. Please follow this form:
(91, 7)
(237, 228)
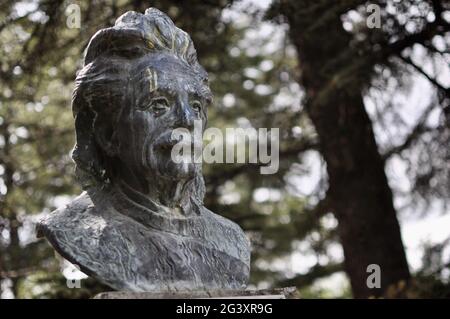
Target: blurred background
(359, 90)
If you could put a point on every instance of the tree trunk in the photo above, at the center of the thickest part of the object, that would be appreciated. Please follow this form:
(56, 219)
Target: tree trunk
(358, 188)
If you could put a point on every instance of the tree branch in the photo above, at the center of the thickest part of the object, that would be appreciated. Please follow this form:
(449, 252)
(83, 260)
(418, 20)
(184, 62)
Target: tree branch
(408, 60)
(426, 34)
(316, 272)
(237, 170)
(418, 129)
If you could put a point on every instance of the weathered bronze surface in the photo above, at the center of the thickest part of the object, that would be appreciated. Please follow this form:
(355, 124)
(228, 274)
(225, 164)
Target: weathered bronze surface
(141, 225)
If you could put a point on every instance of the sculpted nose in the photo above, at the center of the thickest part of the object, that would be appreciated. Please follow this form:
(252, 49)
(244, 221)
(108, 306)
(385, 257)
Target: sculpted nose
(185, 115)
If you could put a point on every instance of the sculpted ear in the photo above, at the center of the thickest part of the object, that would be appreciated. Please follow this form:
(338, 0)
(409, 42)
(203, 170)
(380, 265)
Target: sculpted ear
(106, 138)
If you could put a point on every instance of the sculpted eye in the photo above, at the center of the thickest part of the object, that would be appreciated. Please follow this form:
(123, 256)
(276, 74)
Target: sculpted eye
(197, 106)
(159, 106)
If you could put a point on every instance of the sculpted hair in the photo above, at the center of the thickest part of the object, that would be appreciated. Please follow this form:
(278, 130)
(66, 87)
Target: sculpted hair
(101, 87)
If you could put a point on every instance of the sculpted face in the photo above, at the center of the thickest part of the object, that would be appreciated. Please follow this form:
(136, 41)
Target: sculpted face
(164, 94)
(141, 80)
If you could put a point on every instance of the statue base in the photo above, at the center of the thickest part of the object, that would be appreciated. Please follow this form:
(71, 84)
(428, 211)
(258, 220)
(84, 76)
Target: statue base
(277, 293)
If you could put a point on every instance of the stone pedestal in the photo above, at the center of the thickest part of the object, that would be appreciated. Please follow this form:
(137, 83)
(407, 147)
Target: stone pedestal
(277, 293)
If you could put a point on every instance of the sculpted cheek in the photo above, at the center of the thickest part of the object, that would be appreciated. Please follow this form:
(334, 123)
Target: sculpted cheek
(143, 134)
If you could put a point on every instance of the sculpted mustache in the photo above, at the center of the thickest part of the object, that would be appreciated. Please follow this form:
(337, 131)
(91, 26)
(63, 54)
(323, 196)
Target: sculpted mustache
(167, 141)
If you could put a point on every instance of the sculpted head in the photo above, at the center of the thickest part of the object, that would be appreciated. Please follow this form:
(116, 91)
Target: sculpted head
(140, 81)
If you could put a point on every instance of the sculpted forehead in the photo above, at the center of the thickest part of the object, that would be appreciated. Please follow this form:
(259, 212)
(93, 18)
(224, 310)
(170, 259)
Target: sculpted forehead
(166, 72)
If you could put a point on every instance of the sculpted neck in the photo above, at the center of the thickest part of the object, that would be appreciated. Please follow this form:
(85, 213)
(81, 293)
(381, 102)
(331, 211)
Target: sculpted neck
(172, 194)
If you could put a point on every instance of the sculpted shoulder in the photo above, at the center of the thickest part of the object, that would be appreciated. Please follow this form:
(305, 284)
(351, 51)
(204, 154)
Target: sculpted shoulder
(106, 244)
(227, 223)
(58, 219)
(225, 230)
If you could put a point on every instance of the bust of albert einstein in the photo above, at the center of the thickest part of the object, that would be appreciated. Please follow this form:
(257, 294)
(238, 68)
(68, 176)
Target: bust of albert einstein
(141, 225)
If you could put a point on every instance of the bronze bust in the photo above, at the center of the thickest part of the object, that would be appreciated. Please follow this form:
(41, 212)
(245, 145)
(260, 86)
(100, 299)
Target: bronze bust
(141, 225)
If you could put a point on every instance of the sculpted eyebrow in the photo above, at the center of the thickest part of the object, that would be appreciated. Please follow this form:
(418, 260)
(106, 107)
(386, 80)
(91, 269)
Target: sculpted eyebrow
(205, 94)
(202, 96)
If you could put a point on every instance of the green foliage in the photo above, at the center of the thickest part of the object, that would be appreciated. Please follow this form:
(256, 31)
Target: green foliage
(41, 285)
